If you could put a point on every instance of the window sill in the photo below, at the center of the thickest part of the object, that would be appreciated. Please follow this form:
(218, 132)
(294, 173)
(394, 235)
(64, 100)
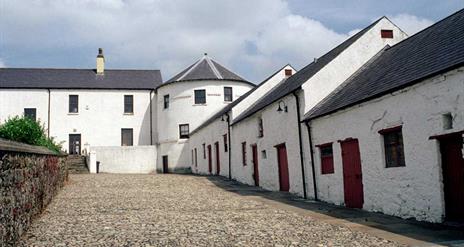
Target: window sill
(128, 113)
(73, 113)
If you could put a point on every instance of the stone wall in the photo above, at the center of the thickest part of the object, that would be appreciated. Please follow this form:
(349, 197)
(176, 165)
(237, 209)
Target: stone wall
(29, 179)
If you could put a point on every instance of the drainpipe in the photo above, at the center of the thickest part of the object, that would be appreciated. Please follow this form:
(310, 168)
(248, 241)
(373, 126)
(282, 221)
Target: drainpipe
(312, 159)
(300, 143)
(229, 146)
(151, 119)
(48, 122)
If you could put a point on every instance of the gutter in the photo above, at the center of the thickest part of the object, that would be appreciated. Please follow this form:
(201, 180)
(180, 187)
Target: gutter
(312, 159)
(300, 143)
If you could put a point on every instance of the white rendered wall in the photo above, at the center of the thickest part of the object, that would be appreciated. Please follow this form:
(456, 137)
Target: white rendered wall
(13, 102)
(183, 110)
(348, 62)
(415, 190)
(279, 127)
(134, 159)
(101, 117)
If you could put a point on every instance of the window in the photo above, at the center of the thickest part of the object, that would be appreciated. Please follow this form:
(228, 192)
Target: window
(196, 160)
(260, 128)
(193, 158)
(73, 103)
(30, 113)
(204, 151)
(128, 103)
(183, 131)
(394, 150)
(126, 137)
(386, 34)
(447, 121)
(288, 72)
(228, 94)
(166, 101)
(327, 162)
(244, 159)
(226, 148)
(200, 96)
(263, 154)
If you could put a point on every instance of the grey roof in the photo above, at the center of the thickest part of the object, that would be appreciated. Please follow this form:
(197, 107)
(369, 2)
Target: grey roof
(295, 81)
(78, 79)
(205, 69)
(228, 107)
(432, 51)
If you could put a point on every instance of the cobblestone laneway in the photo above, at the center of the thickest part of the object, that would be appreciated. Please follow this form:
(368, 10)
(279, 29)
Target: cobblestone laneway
(175, 210)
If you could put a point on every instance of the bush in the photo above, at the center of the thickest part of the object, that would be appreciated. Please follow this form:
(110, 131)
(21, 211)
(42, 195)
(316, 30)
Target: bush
(26, 130)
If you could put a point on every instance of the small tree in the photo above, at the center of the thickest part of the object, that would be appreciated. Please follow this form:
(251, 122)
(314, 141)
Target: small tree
(27, 130)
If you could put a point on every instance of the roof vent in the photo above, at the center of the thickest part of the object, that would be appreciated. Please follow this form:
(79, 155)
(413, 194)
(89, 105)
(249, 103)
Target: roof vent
(100, 62)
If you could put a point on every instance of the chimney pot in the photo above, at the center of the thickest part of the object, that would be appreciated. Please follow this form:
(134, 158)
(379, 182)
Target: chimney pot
(100, 62)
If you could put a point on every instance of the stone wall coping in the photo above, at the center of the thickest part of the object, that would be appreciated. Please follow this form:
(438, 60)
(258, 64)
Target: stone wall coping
(18, 147)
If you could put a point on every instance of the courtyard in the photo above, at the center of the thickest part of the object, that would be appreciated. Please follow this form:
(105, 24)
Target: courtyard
(185, 210)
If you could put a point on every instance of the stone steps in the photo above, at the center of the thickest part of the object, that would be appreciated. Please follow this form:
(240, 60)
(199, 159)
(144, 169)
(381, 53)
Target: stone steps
(77, 164)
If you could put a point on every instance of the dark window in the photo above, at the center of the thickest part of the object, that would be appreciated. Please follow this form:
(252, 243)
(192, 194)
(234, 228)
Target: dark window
(200, 96)
(228, 94)
(394, 150)
(196, 160)
(166, 101)
(128, 103)
(288, 72)
(204, 151)
(127, 137)
(193, 158)
(30, 113)
(260, 128)
(226, 148)
(183, 131)
(244, 159)
(73, 103)
(447, 121)
(386, 34)
(327, 162)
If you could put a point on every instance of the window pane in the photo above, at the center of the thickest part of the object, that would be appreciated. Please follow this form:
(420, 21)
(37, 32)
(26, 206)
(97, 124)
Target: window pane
(200, 96)
(183, 131)
(394, 150)
(327, 166)
(128, 103)
(166, 101)
(73, 103)
(227, 93)
(126, 137)
(30, 113)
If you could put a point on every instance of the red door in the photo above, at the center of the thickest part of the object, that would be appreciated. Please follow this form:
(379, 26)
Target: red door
(284, 180)
(254, 150)
(218, 164)
(352, 174)
(210, 165)
(453, 176)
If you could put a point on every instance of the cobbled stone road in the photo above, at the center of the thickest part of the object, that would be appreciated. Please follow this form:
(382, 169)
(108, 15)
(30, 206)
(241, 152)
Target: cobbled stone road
(175, 210)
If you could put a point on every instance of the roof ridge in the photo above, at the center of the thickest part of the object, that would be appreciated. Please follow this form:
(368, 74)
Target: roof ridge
(213, 67)
(190, 70)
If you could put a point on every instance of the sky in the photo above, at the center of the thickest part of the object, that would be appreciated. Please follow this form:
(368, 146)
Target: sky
(253, 38)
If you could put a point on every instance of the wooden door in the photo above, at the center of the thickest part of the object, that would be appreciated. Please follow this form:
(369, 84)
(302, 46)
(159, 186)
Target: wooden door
(218, 161)
(254, 149)
(210, 165)
(165, 164)
(453, 176)
(284, 180)
(352, 174)
(75, 144)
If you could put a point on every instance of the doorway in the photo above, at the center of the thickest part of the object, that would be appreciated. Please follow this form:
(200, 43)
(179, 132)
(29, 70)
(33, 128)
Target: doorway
(210, 165)
(254, 150)
(75, 144)
(284, 180)
(352, 174)
(165, 164)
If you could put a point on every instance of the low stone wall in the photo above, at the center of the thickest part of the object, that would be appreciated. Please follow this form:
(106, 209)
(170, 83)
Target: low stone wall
(127, 159)
(30, 177)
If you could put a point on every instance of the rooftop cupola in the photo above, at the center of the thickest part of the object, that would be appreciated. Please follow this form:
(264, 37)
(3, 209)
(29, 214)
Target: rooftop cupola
(100, 62)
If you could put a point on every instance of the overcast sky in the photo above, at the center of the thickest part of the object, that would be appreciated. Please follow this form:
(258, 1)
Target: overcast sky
(251, 37)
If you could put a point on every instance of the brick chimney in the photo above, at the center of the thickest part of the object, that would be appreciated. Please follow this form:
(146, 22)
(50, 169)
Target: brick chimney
(100, 62)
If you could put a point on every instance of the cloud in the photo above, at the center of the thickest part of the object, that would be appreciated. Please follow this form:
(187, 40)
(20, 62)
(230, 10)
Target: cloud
(2, 64)
(411, 24)
(252, 38)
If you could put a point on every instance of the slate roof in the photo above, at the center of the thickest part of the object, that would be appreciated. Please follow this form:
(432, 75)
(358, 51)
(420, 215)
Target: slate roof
(432, 51)
(228, 107)
(42, 78)
(205, 69)
(294, 82)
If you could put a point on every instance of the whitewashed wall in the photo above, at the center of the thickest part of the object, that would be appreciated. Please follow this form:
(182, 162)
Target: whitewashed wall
(13, 102)
(415, 190)
(279, 127)
(101, 117)
(348, 62)
(134, 159)
(182, 110)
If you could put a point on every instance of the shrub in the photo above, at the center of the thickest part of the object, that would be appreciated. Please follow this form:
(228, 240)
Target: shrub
(26, 130)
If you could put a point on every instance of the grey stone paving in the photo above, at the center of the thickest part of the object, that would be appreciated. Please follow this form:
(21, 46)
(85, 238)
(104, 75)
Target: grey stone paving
(176, 210)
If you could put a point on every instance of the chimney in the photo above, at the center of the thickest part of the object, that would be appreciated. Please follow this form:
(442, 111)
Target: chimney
(100, 62)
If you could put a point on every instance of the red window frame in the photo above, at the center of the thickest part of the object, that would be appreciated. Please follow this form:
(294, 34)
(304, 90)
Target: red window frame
(244, 159)
(393, 147)
(226, 145)
(327, 160)
(386, 34)
(288, 72)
